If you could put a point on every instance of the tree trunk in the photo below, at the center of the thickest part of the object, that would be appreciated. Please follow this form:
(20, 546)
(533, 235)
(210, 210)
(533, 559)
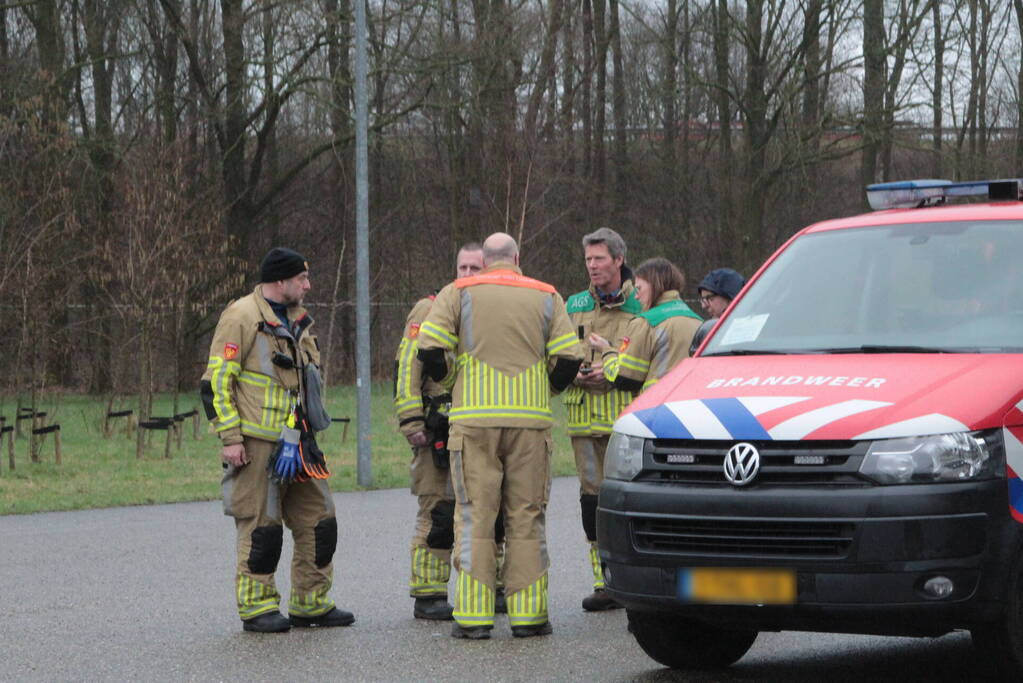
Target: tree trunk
(1018, 4)
(873, 88)
(620, 155)
(587, 83)
(939, 74)
(236, 195)
(601, 41)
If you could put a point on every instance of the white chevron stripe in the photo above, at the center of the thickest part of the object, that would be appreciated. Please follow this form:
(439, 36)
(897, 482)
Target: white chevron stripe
(759, 405)
(630, 424)
(697, 418)
(1013, 452)
(801, 425)
(935, 423)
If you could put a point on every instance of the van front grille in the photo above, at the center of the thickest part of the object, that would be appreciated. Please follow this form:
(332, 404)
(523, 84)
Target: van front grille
(753, 537)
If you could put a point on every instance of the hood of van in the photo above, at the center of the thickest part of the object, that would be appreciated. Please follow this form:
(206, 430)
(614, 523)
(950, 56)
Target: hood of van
(844, 397)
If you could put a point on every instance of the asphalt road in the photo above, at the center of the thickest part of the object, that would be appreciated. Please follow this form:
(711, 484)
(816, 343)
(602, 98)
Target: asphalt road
(145, 593)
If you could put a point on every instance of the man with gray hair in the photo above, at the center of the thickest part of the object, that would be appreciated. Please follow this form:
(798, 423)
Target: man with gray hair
(593, 404)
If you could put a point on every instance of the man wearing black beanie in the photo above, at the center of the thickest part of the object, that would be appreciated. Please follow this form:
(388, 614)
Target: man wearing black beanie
(262, 364)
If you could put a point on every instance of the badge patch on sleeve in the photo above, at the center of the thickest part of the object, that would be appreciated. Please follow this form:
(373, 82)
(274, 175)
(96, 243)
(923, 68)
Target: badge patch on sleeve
(230, 351)
(624, 345)
(413, 331)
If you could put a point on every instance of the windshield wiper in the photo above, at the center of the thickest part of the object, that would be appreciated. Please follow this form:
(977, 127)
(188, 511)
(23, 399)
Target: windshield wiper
(756, 352)
(892, 348)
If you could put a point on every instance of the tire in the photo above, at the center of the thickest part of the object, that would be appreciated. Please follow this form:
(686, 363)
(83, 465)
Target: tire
(681, 643)
(1000, 643)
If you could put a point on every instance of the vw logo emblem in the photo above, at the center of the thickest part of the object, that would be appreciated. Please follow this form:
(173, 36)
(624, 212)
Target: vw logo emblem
(742, 462)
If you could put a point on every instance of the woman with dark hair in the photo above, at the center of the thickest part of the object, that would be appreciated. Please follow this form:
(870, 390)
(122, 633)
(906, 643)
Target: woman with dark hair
(658, 338)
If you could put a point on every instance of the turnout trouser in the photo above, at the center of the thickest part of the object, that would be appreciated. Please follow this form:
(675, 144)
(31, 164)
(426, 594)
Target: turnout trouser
(259, 508)
(434, 531)
(589, 464)
(492, 470)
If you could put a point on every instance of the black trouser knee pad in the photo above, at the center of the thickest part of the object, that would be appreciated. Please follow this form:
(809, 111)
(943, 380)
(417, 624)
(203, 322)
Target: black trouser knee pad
(589, 506)
(325, 533)
(442, 526)
(266, 549)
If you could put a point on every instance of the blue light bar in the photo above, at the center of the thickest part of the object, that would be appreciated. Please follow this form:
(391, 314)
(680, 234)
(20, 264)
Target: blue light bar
(907, 194)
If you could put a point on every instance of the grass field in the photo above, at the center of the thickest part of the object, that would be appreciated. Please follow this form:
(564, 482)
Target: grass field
(102, 472)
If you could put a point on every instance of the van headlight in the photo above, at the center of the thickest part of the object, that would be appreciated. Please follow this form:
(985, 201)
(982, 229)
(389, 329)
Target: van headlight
(624, 457)
(960, 456)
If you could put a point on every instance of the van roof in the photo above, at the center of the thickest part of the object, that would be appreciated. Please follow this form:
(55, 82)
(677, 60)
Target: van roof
(989, 211)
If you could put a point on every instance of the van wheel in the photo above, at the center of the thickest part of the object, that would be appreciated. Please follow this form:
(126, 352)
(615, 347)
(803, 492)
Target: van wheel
(681, 643)
(1001, 642)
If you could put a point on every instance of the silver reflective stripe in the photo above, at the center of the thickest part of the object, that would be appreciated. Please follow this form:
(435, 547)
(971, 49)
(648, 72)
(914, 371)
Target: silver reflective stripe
(465, 324)
(227, 489)
(465, 550)
(590, 462)
(548, 315)
(659, 363)
(263, 349)
(273, 501)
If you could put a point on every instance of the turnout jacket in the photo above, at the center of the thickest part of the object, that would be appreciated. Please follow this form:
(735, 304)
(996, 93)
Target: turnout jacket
(513, 346)
(244, 392)
(593, 411)
(655, 341)
(410, 383)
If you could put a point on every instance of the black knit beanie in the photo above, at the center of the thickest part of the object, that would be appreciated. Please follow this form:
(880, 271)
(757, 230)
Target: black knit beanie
(281, 263)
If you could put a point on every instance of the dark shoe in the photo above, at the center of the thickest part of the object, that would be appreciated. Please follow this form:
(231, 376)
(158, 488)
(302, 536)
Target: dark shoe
(543, 629)
(268, 622)
(500, 603)
(436, 609)
(598, 601)
(470, 632)
(335, 617)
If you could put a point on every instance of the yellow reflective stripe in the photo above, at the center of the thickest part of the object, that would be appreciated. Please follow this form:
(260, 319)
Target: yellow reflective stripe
(528, 607)
(311, 604)
(634, 363)
(474, 602)
(466, 413)
(404, 398)
(405, 404)
(649, 383)
(611, 367)
(430, 573)
(254, 598)
(487, 392)
(221, 375)
(269, 432)
(598, 575)
(560, 343)
(448, 340)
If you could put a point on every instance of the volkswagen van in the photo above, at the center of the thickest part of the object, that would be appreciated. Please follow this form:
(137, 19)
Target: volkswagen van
(842, 453)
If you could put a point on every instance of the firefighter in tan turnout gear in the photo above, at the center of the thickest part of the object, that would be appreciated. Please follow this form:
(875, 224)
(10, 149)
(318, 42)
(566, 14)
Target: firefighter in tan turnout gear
(593, 404)
(261, 392)
(513, 345)
(422, 406)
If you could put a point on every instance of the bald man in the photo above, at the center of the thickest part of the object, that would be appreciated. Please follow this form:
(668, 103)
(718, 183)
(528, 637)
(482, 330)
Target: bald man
(515, 346)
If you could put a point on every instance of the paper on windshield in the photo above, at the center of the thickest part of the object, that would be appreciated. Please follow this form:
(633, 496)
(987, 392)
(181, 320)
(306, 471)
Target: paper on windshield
(744, 329)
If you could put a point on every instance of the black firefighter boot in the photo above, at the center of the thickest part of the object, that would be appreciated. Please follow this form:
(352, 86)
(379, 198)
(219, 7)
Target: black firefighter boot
(268, 622)
(435, 609)
(598, 601)
(335, 617)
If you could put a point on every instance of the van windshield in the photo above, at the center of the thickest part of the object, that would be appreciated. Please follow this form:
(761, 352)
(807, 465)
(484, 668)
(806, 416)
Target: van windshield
(910, 288)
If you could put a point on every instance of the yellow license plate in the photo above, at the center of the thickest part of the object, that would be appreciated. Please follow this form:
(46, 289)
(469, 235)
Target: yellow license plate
(737, 586)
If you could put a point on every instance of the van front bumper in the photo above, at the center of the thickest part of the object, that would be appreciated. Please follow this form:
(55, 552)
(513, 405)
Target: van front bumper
(861, 556)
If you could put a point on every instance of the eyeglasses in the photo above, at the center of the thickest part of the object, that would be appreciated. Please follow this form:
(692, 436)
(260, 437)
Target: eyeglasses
(708, 298)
